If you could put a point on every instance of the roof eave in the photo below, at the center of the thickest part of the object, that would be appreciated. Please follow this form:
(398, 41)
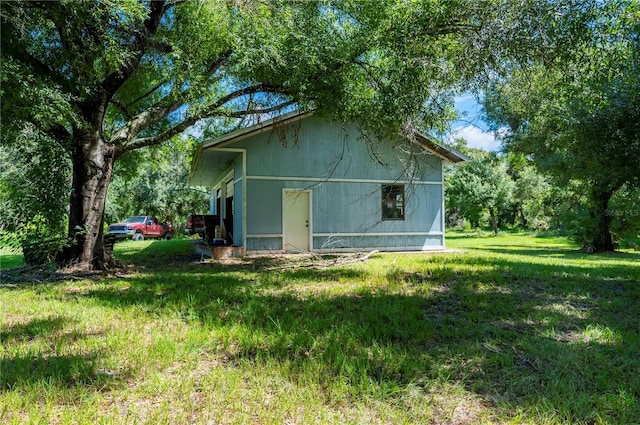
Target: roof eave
(446, 153)
(258, 128)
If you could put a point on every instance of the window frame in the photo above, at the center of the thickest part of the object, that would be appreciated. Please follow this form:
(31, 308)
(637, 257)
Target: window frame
(391, 204)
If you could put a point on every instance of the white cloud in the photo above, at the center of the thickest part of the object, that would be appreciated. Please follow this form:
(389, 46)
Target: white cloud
(477, 138)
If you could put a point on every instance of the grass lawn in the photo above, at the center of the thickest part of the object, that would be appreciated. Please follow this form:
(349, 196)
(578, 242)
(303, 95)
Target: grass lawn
(512, 329)
(10, 259)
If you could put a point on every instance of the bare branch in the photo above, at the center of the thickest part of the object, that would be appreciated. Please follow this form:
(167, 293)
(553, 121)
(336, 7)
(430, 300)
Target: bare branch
(173, 101)
(156, 10)
(125, 137)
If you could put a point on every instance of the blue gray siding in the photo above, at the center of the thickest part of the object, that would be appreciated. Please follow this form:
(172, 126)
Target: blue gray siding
(344, 174)
(322, 150)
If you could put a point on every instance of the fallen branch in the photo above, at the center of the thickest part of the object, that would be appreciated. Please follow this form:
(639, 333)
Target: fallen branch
(319, 262)
(366, 257)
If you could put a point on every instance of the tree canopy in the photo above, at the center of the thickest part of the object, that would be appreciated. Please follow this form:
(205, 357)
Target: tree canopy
(100, 79)
(478, 185)
(579, 118)
(154, 181)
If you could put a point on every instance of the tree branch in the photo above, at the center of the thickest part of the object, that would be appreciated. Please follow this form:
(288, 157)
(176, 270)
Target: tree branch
(222, 58)
(139, 98)
(161, 109)
(258, 88)
(179, 128)
(141, 121)
(61, 136)
(120, 105)
(125, 134)
(260, 111)
(173, 4)
(141, 42)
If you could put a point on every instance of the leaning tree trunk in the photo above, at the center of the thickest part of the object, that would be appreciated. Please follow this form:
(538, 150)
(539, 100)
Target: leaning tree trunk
(93, 160)
(602, 240)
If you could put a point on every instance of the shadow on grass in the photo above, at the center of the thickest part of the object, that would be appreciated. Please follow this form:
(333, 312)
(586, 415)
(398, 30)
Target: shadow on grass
(568, 254)
(32, 368)
(556, 339)
(55, 370)
(156, 253)
(30, 330)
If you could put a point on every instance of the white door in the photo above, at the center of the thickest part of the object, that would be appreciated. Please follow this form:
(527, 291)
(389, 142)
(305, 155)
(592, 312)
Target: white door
(296, 220)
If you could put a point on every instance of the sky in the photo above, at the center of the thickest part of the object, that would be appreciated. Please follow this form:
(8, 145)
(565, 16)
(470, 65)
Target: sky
(471, 127)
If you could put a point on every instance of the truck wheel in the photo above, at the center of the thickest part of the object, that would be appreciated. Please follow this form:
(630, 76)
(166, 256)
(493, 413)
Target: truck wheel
(138, 237)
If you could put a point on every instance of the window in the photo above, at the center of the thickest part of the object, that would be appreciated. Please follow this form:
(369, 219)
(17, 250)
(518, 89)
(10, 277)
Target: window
(393, 202)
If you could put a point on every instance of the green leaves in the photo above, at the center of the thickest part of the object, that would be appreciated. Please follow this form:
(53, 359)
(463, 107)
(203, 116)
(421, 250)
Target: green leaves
(578, 117)
(479, 185)
(132, 74)
(154, 181)
(34, 182)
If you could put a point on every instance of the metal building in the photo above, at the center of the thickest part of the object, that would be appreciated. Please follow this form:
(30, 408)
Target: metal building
(297, 183)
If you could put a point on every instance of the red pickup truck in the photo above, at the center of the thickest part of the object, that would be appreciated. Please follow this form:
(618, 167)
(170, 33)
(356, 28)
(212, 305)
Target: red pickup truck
(140, 227)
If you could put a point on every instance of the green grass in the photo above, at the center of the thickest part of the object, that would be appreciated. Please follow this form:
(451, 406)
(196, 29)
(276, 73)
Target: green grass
(10, 258)
(512, 329)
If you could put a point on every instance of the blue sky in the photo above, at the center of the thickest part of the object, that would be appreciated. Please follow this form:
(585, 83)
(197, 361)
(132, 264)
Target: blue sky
(471, 127)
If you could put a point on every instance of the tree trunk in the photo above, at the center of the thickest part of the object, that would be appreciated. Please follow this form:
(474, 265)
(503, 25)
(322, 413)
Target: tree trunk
(93, 160)
(523, 219)
(494, 221)
(602, 240)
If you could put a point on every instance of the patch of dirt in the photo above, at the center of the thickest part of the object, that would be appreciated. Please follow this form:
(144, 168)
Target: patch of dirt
(459, 408)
